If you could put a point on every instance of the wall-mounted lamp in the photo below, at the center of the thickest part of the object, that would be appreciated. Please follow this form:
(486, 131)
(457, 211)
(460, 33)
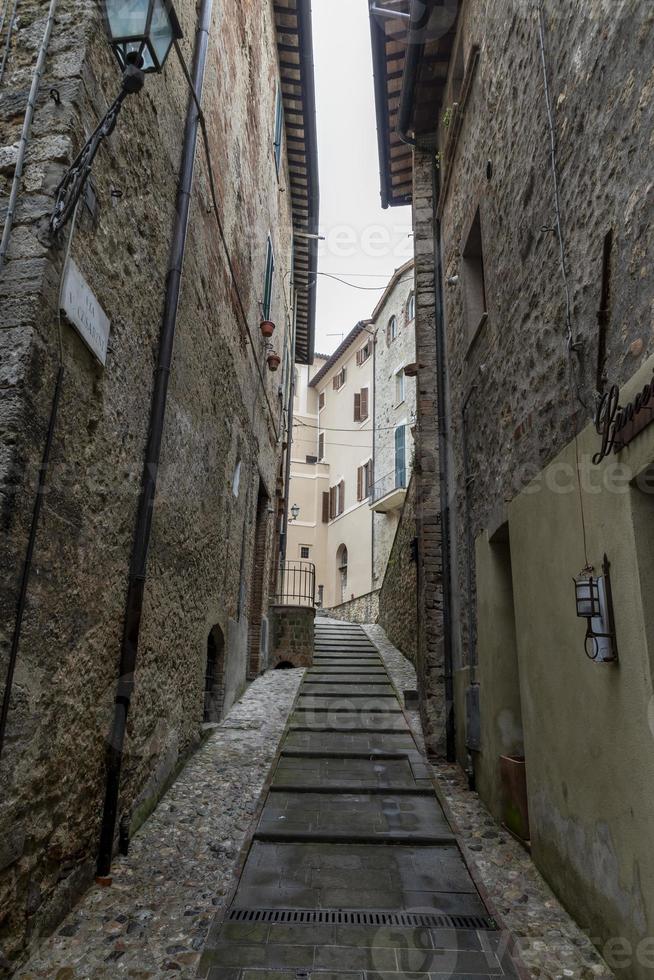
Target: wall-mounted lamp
(595, 604)
(141, 34)
(295, 512)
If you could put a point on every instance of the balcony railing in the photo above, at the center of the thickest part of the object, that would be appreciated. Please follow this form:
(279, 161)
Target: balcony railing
(296, 584)
(397, 480)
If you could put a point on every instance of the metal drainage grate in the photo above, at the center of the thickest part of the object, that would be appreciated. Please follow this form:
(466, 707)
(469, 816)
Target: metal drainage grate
(430, 920)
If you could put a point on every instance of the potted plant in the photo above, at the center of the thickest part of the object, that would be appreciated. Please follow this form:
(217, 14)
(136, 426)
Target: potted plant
(274, 360)
(267, 328)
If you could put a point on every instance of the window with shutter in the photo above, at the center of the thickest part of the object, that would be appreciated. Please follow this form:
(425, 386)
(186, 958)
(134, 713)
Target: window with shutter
(357, 407)
(325, 507)
(341, 497)
(321, 446)
(332, 503)
(321, 400)
(368, 478)
(363, 413)
(360, 481)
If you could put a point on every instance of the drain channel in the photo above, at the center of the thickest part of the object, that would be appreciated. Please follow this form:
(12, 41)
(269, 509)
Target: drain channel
(430, 920)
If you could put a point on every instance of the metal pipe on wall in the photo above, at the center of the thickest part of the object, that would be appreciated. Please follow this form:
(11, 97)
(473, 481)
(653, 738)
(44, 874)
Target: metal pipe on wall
(138, 565)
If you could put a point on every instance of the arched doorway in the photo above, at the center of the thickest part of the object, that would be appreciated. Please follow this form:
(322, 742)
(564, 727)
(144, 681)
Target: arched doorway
(214, 676)
(341, 574)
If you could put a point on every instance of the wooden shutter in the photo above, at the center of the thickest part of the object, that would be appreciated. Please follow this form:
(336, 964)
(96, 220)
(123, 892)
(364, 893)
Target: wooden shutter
(388, 334)
(335, 382)
(360, 494)
(332, 503)
(325, 507)
(363, 408)
(321, 446)
(341, 497)
(357, 407)
(368, 478)
(321, 400)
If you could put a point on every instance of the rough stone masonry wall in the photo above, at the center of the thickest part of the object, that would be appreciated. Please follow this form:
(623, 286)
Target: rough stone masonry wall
(398, 599)
(429, 666)
(514, 375)
(292, 635)
(363, 609)
(52, 775)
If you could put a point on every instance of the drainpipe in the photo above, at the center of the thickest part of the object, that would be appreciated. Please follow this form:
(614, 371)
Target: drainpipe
(27, 126)
(412, 61)
(443, 460)
(138, 566)
(374, 444)
(289, 449)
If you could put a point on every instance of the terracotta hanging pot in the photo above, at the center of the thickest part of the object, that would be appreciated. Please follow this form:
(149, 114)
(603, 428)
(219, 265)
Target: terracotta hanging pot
(274, 360)
(267, 328)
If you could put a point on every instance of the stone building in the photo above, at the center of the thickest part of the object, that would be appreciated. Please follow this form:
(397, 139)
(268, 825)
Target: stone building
(213, 533)
(522, 135)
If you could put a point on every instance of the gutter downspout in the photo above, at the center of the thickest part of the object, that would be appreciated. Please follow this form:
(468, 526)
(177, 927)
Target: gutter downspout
(311, 144)
(138, 567)
(25, 134)
(289, 449)
(374, 447)
(472, 644)
(443, 460)
(412, 60)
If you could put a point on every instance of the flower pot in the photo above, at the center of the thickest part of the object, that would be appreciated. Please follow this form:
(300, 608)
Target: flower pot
(267, 328)
(274, 360)
(515, 809)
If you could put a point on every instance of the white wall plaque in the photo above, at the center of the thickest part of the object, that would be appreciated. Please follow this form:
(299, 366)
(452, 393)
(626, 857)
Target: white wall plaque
(81, 307)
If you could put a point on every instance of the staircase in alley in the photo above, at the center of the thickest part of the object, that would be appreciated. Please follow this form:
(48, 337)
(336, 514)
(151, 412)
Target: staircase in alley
(353, 870)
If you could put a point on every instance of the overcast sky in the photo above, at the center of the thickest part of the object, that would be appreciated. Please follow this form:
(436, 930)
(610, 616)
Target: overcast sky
(365, 244)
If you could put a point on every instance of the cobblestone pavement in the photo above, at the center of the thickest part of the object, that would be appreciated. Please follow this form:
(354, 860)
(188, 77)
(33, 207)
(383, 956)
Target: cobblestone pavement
(550, 942)
(154, 920)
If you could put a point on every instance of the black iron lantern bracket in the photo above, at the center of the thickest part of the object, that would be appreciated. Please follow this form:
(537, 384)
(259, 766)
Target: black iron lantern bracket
(74, 181)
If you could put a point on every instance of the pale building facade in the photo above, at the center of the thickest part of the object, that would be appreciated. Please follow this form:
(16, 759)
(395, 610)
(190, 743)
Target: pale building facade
(394, 412)
(333, 425)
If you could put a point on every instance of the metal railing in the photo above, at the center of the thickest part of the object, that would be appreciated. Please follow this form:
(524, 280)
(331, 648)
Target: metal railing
(396, 480)
(296, 584)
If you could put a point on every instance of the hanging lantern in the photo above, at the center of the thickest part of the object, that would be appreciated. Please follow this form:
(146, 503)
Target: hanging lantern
(594, 603)
(141, 32)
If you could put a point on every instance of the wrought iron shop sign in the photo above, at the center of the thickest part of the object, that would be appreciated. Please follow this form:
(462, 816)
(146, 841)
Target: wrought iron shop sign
(83, 310)
(619, 425)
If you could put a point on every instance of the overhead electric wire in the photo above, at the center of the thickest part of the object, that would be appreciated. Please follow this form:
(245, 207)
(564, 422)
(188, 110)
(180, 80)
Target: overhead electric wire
(353, 285)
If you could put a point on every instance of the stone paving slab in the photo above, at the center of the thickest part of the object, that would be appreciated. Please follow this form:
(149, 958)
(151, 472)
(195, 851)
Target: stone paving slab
(350, 815)
(347, 721)
(310, 702)
(340, 743)
(361, 690)
(333, 876)
(350, 773)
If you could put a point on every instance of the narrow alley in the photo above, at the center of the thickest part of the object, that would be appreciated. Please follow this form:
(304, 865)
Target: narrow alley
(353, 867)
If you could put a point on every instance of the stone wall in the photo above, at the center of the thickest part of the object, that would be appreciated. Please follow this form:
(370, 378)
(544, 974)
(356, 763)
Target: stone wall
(430, 660)
(398, 599)
(292, 635)
(222, 415)
(363, 609)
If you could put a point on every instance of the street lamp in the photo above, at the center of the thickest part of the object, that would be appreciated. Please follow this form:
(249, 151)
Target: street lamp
(141, 34)
(594, 602)
(295, 512)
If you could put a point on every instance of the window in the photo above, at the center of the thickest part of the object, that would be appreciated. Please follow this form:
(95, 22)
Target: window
(400, 457)
(279, 128)
(400, 386)
(364, 481)
(268, 282)
(391, 330)
(321, 401)
(311, 460)
(326, 506)
(339, 379)
(361, 403)
(321, 596)
(337, 500)
(236, 479)
(364, 353)
(474, 285)
(411, 308)
(305, 551)
(321, 446)
(341, 572)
